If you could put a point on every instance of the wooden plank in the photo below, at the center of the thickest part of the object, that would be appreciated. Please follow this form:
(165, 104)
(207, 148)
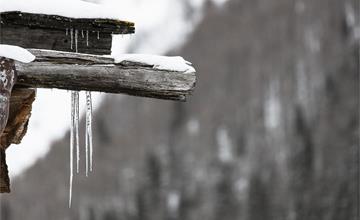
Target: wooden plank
(54, 69)
(54, 32)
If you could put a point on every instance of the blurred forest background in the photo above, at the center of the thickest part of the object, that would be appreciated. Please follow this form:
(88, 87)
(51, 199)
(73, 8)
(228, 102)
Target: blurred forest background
(270, 133)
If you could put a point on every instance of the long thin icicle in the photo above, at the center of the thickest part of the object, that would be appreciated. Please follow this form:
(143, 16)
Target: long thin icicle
(76, 40)
(87, 38)
(77, 130)
(71, 38)
(77, 113)
(88, 135)
(72, 131)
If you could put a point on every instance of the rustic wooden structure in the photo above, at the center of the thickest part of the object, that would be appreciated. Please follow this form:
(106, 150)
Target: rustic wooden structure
(54, 69)
(74, 69)
(53, 32)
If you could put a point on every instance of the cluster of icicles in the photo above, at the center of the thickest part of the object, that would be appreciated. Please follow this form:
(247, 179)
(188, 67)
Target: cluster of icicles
(74, 126)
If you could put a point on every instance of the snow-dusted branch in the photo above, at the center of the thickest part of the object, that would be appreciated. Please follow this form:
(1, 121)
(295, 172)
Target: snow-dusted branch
(74, 71)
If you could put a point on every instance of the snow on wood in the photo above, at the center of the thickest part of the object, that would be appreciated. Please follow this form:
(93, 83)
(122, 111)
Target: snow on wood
(67, 8)
(16, 53)
(157, 62)
(54, 69)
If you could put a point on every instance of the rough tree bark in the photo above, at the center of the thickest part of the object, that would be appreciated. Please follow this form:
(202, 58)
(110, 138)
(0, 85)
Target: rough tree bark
(15, 109)
(7, 81)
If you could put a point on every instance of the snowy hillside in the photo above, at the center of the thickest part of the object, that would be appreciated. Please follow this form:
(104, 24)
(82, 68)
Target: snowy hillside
(51, 110)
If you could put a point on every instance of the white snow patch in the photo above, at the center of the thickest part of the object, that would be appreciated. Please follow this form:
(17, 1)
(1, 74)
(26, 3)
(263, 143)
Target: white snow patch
(158, 62)
(173, 202)
(312, 41)
(219, 3)
(225, 145)
(67, 8)
(299, 7)
(193, 126)
(241, 185)
(16, 53)
(272, 107)
(302, 89)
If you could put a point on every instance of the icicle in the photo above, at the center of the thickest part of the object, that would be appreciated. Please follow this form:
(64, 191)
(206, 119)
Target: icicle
(87, 38)
(67, 32)
(77, 130)
(82, 33)
(71, 38)
(76, 40)
(98, 35)
(72, 131)
(88, 135)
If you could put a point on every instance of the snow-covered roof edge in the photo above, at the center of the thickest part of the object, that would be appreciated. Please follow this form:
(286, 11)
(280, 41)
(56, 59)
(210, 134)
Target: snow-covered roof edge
(16, 53)
(66, 8)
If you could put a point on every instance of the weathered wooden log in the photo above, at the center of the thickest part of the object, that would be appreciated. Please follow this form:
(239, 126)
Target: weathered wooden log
(13, 125)
(55, 32)
(53, 69)
(7, 81)
(19, 114)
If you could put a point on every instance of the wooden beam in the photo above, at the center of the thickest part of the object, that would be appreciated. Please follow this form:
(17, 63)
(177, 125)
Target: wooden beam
(54, 69)
(55, 32)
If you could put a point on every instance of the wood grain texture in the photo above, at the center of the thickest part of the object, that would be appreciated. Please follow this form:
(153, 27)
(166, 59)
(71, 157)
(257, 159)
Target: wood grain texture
(70, 71)
(7, 81)
(15, 107)
(20, 111)
(49, 32)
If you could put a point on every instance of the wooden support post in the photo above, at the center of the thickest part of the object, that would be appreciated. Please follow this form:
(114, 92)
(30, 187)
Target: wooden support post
(7, 81)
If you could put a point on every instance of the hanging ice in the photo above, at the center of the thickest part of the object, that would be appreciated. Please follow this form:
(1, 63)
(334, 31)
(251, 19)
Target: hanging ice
(76, 40)
(67, 32)
(77, 130)
(72, 131)
(82, 33)
(87, 38)
(98, 35)
(88, 132)
(71, 38)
